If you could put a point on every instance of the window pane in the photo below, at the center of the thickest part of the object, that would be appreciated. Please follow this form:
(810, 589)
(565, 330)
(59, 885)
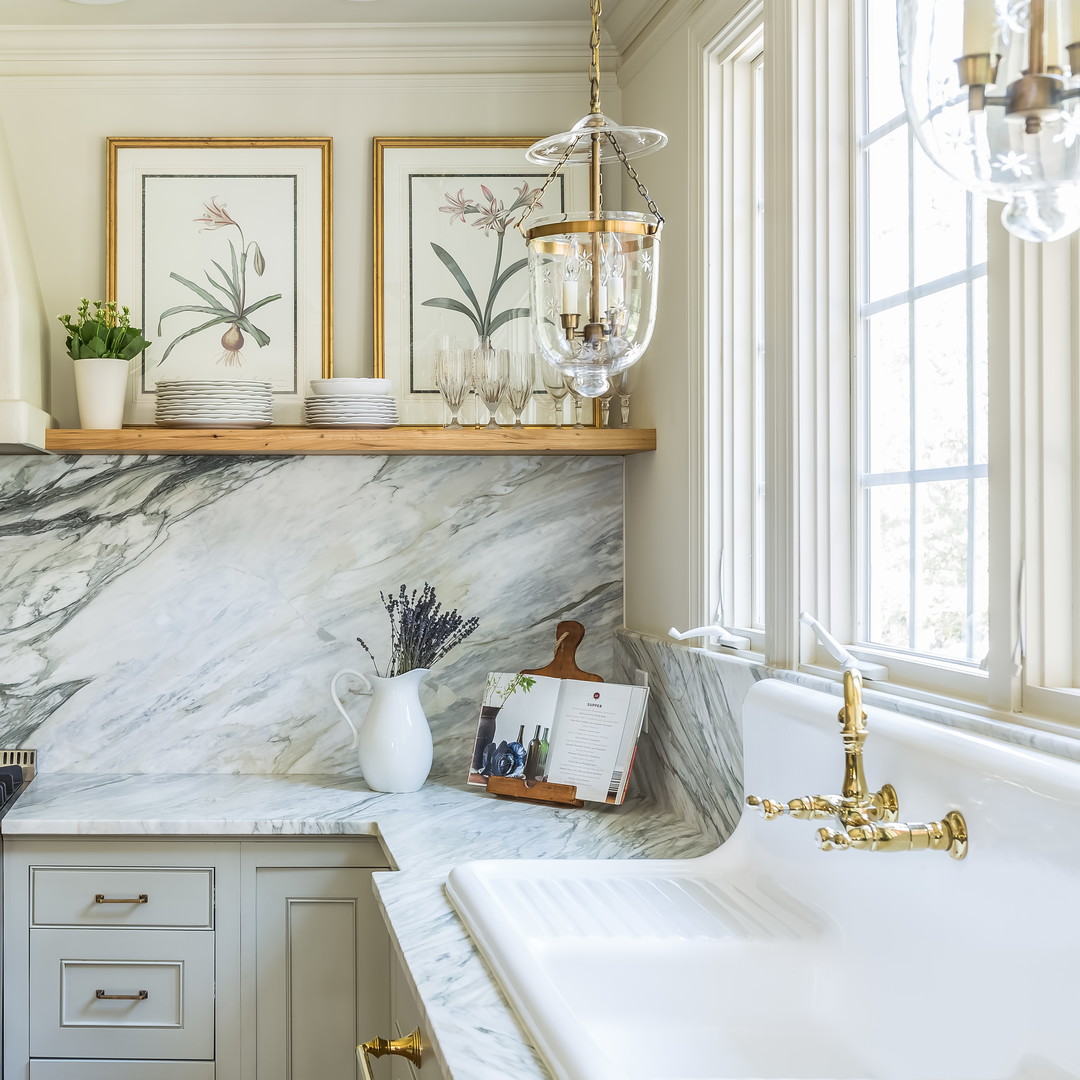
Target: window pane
(889, 381)
(887, 214)
(943, 569)
(941, 379)
(884, 100)
(980, 389)
(940, 225)
(889, 544)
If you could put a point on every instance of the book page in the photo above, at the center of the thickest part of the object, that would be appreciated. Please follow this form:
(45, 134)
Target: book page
(589, 737)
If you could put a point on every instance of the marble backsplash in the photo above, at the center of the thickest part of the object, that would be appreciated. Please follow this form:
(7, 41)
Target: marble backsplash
(185, 614)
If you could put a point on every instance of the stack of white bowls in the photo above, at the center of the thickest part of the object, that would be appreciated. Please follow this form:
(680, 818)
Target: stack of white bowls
(213, 403)
(350, 403)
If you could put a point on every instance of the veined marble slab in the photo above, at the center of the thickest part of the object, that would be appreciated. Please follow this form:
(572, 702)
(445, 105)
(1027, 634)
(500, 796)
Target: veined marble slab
(186, 614)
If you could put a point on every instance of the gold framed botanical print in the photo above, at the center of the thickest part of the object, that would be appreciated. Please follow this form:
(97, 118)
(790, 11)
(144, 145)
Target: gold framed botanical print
(222, 248)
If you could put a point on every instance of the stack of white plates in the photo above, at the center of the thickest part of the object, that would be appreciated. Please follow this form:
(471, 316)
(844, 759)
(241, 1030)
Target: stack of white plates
(213, 403)
(351, 411)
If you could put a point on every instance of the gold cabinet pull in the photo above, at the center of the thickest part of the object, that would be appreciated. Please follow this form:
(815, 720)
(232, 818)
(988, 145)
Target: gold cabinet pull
(410, 1047)
(142, 898)
(139, 995)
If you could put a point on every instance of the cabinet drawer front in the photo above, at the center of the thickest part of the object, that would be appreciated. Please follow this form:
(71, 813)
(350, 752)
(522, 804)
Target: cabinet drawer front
(85, 1069)
(109, 993)
(93, 896)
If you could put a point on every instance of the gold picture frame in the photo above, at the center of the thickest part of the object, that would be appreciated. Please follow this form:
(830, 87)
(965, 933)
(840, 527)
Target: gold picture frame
(445, 210)
(191, 225)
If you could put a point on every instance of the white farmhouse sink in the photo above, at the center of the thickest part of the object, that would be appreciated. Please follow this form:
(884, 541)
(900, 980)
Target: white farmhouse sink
(771, 959)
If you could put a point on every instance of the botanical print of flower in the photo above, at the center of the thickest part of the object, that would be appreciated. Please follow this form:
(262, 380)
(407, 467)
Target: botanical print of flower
(233, 309)
(490, 214)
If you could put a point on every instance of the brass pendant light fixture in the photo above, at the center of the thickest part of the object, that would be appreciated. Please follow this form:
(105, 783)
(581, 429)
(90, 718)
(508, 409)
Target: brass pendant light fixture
(594, 274)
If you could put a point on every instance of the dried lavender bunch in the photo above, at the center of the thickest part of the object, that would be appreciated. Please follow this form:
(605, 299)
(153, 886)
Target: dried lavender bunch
(421, 633)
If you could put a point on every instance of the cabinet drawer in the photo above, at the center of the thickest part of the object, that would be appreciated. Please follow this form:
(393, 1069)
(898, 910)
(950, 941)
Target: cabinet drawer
(112, 896)
(68, 1017)
(85, 1069)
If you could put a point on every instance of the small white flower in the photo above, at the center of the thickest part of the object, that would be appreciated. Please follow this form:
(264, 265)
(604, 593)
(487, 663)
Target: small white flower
(1014, 163)
(1070, 129)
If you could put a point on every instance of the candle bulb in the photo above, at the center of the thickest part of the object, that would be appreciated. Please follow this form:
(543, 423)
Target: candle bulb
(616, 290)
(1055, 53)
(978, 27)
(570, 303)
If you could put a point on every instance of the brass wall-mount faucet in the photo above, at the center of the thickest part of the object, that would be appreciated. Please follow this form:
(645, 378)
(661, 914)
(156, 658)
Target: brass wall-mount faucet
(867, 818)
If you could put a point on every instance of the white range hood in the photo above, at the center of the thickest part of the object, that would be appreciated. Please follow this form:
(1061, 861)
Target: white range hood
(24, 328)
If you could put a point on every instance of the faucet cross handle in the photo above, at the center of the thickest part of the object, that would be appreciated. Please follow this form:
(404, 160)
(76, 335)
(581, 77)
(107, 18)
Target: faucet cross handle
(949, 834)
(804, 807)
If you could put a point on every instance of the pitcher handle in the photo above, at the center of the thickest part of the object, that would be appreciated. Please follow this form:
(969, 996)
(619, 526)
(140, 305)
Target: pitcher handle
(366, 688)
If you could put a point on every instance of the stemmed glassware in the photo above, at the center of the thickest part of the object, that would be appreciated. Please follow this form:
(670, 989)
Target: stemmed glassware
(519, 385)
(605, 404)
(491, 370)
(453, 378)
(555, 384)
(577, 399)
(622, 383)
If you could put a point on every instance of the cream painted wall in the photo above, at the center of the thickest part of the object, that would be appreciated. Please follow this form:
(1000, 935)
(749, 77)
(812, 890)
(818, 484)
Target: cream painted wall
(57, 122)
(662, 84)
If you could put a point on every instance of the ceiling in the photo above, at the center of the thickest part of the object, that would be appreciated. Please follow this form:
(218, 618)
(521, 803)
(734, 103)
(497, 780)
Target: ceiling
(311, 12)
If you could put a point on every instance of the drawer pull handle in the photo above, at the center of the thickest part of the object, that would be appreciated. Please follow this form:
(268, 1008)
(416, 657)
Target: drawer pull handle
(141, 995)
(142, 898)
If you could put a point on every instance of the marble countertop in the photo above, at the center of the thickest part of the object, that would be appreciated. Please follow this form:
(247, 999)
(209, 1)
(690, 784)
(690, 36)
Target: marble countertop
(472, 1029)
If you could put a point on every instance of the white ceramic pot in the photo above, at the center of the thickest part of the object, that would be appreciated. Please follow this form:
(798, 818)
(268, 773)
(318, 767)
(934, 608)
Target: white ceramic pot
(393, 741)
(101, 385)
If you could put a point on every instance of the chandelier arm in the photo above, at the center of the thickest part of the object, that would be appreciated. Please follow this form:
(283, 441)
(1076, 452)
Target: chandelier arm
(547, 182)
(643, 191)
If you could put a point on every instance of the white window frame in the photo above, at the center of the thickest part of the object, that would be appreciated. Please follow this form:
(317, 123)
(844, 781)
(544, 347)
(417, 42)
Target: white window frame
(732, 86)
(810, 453)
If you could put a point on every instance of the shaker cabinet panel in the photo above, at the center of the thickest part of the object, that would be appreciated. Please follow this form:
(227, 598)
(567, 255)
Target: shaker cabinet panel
(147, 897)
(322, 971)
(114, 994)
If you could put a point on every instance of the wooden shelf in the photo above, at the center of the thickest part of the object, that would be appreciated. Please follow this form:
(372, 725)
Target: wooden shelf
(310, 440)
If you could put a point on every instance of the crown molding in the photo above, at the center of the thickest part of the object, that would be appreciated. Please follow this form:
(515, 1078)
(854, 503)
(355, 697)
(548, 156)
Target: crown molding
(215, 84)
(346, 48)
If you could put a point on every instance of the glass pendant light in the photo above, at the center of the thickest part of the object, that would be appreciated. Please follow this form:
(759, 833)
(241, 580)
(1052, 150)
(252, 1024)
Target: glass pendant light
(991, 89)
(594, 273)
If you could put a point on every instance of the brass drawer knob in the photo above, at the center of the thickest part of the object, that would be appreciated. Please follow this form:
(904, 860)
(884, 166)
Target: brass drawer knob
(142, 898)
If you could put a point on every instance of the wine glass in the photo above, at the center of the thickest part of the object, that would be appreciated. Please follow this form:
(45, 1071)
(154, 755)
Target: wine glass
(491, 369)
(519, 385)
(622, 384)
(452, 378)
(556, 387)
(577, 399)
(605, 404)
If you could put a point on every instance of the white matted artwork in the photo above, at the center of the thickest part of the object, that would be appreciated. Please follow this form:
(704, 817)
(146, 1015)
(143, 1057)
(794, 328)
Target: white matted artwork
(450, 263)
(222, 250)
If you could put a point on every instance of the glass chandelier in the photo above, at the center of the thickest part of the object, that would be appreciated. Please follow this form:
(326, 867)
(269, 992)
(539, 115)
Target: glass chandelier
(991, 90)
(594, 274)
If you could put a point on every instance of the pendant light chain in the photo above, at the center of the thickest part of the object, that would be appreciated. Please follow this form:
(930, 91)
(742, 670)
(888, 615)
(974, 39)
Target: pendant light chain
(594, 65)
(546, 184)
(643, 191)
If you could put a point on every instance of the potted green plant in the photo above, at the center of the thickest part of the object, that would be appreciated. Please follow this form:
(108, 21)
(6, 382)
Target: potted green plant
(101, 342)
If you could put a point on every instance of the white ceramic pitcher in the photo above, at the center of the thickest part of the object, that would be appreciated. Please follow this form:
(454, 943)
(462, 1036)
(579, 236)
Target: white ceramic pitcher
(393, 741)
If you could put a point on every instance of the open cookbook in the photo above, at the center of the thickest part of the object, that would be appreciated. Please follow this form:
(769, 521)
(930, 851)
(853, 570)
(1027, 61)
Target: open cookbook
(563, 731)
